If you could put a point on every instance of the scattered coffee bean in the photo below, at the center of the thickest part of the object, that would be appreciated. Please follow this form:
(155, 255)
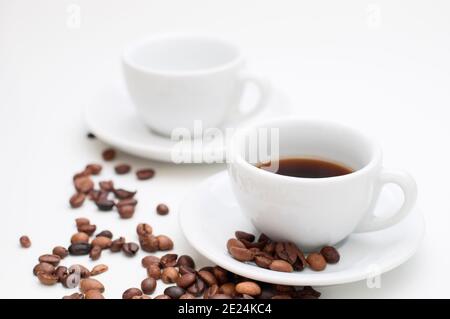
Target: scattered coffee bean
(25, 242)
(79, 238)
(109, 154)
(131, 292)
(197, 288)
(93, 294)
(144, 174)
(79, 249)
(245, 236)
(211, 292)
(207, 277)
(75, 295)
(47, 279)
(93, 169)
(50, 259)
(220, 274)
(242, 254)
(330, 254)
(91, 284)
(248, 288)
(106, 186)
(126, 212)
(105, 233)
(174, 292)
(149, 260)
(60, 251)
(164, 242)
(162, 209)
(162, 297)
(186, 280)
(88, 229)
(187, 296)
(116, 245)
(104, 204)
(95, 253)
(99, 269)
(77, 200)
(84, 184)
(141, 297)
(82, 221)
(185, 260)
(149, 243)
(122, 169)
(148, 285)
(44, 268)
(154, 271)
(281, 265)
(168, 260)
(80, 270)
(126, 202)
(144, 229)
(233, 242)
(130, 249)
(169, 275)
(61, 272)
(102, 241)
(316, 261)
(123, 194)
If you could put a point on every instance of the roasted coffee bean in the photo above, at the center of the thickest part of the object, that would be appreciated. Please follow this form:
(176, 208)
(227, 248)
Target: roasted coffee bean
(50, 259)
(60, 251)
(316, 261)
(281, 265)
(233, 242)
(300, 263)
(149, 243)
(269, 248)
(131, 292)
(149, 260)
(80, 249)
(79, 238)
(75, 295)
(91, 284)
(88, 229)
(61, 272)
(162, 297)
(187, 296)
(116, 245)
(106, 186)
(144, 174)
(242, 254)
(126, 202)
(207, 277)
(228, 288)
(105, 233)
(220, 274)
(164, 242)
(307, 293)
(95, 253)
(90, 135)
(280, 251)
(77, 200)
(82, 271)
(109, 154)
(130, 249)
(186, 280)
(83, 184)
(123, 194)
(185, 260)
(25, 242)
(99, 269)
(154, 271)
(80, 174)
(263, 261)
(148, 285)
(122, 169)
(330, 254)
(82, 221)
(47, 279)
(162, 209)
(102, 242)
(93, 294)
(291, 252)
(249, 288)
(220, 296)
(71, 280)
(168, 260)
(104, 205)
(197, 288)
(169, 275)
(263, 238)
(174, 292)
(210, 292)
(126, 212)
(186, 270)
(243, 235)
(93, 169)
(94, 195)
(252, 245)
(43, 267)
(143, 229)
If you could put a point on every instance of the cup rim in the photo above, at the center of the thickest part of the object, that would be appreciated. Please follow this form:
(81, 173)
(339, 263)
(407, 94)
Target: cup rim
(236, 156)
(128, 60)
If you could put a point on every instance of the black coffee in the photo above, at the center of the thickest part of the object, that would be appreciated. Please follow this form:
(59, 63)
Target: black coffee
(306, 167)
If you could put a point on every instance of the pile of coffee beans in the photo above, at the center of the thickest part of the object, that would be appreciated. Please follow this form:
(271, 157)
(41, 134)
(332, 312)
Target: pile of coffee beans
(278, 256)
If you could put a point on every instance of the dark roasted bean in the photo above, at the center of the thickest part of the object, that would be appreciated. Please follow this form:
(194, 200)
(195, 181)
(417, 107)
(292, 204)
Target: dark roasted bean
(211, 291)
(144, 174)
(126, 202)
(185, 270)
(130, 249)
(168, 260)
(116, 245)
(197, 288)
(105, 233)
(243, 235)
(185, 260)
(104, 204)
(75, 295)
(207, 277)
(79, 249)
(154, 271)
(186, 280)
(174, 292)
(148, 285)
(131, 292)
(228, 288)
(25, 242)
(109, 154)
(330, 254)
(162, 209)
(220, 274)
(77, 200)
(61, 272)
(143, 229)
(123, 194)
(122, 169)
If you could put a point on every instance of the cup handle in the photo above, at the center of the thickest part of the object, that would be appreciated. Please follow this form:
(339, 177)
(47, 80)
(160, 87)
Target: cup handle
(409, 188)
(264, 89)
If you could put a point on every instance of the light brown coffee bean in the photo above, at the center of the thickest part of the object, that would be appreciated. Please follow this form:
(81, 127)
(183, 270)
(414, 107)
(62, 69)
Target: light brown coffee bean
(281, 265)
(316, 261)
(60, 251)
(82, 221)
(116, 245)
(169, 275)
(95, 253)
(162, 209)
(207, 277)
(154, 271)
(50, 259)
(126, 211)
(233, 242)
(102, 242)
(131, 292)
(79, 238)
(164, 242)
(93, 294)
(162, 297)
(330, 254)
(47, 279)
(109, 154)
(249, 288)
(88, 229)
(44, 268)
(91, 284)
(144, 174)
(99, 269)
(83, 184)
(242, 254)
(77, 200)
(25, 242)
(149, 260)
(144, 229)
(93, 169)
(263, 261)
(148, 285)
(187, 296)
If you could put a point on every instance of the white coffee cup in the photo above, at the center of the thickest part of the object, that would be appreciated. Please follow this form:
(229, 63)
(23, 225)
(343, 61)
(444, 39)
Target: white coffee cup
(177, 79)
(313, 212)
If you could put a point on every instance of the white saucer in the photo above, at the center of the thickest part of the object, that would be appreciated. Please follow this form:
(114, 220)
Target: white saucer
(111, 116)
(210, 215)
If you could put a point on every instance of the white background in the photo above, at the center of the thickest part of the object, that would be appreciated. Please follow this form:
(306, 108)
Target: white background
(382, 66)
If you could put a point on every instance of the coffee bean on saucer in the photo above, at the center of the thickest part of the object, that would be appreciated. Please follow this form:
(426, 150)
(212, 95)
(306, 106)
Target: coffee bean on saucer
(130, 249)
(249, 288)
(144, 174)
(109, 154)
(233, 242)
(25, 241)
(123, 194)
(330, 254)
(316, 261)
(131, 292)
(77, 200)
(263, 261)
(162, 209)
(122, 169)
(243, 235)
(80, 249)
(281, 265)
(242, 254)
(148, 285)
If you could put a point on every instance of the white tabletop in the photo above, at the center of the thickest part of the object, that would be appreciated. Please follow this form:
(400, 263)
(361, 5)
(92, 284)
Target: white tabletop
(380, 66)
